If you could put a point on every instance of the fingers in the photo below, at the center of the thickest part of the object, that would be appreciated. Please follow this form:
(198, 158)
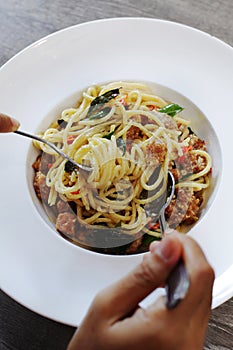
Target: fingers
(201, 275)
(189, 317)
(200, 272)
(108, 319)
(123, 297)
(8, 124)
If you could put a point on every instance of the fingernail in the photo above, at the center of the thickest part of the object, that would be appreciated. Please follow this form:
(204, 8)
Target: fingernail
(15, 124)
(164, 249)
(8, 124)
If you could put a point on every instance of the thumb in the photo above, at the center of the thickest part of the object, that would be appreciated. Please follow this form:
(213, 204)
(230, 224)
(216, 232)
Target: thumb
(122, 297)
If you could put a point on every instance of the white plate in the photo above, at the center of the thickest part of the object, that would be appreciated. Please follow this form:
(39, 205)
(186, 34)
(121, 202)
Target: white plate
(37, 267)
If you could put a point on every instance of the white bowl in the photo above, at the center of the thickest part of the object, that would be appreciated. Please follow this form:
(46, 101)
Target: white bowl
(199, 124)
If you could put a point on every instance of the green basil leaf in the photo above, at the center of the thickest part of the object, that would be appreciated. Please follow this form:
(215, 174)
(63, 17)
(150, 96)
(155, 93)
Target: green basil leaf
(62, 123)
(148, 239)
(100, 113)
(69, 167)
(108, 136)
(107, 96)
(171, 109)
(94, 111)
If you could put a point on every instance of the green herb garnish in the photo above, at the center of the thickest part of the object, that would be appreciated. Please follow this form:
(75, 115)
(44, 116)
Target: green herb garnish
(62, 123)
(100, 113)
(148, 239)
(95, 110)
(107, 96)
(171, 109)
(69, 167)
(108, 136)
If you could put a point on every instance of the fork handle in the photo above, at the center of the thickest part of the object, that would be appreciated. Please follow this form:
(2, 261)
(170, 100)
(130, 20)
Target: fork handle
(177, 285)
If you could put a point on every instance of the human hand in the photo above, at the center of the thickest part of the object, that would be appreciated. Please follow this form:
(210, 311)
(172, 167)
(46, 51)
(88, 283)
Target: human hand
(114, 320)
(8, 124)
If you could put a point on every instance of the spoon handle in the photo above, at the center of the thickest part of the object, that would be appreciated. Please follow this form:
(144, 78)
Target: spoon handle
(177, 285)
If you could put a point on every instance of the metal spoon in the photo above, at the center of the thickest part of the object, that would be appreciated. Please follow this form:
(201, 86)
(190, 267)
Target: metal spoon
(177, 283)
(169, 195)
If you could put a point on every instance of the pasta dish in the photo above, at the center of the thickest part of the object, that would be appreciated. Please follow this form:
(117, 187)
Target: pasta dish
(129, 138)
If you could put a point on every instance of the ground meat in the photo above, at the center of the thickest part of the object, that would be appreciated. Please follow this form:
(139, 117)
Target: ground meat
(41, 189)
(184, 208)
(187, 164)
(191, 215)
(36, 164)
(66, 223)
(62, 206)
(43, 163)
(197, 143)
(133, 133)
(134, 246)
(156, 152)
(198, 163)
(145, 120)
(184, 165)
(168, 122)
(175, 172)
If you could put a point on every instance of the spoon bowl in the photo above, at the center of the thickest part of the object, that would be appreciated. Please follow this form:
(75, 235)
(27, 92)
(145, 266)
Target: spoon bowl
(169, 195)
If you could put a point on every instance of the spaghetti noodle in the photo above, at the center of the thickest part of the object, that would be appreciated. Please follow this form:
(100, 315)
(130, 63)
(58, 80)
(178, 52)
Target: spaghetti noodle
(130, 138)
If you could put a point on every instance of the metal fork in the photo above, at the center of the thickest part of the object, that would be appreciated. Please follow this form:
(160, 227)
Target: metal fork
(51, 145)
